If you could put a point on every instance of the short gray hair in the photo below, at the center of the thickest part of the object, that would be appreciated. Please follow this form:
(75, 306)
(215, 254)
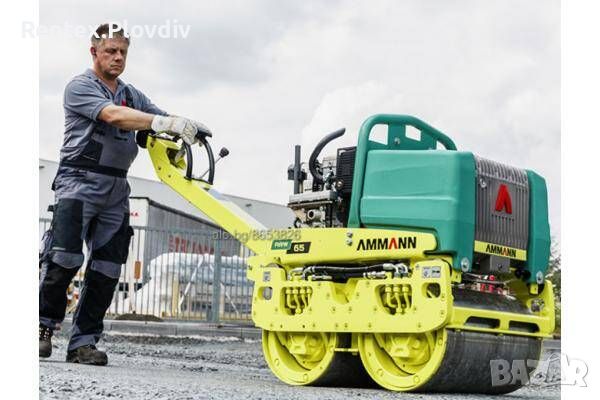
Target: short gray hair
(108, 31)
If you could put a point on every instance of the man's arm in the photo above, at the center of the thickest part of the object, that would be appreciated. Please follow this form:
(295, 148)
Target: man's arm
(129, 118)
(83, 97)
(126, 118)
(134, 120)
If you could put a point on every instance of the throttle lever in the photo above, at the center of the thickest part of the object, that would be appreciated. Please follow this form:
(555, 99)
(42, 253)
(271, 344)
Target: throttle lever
(222, 154)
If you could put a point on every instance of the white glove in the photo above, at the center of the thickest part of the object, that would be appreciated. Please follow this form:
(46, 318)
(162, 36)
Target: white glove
(202, 128)
(176, 126)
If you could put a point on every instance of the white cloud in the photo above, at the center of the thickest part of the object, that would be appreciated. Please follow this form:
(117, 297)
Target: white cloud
(266, 75)
(351, 105)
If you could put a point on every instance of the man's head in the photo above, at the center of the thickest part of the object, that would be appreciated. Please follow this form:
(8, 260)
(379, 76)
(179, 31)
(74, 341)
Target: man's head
(109, 50)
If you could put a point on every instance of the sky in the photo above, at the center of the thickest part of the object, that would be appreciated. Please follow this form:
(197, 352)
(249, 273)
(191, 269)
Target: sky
(266, 75)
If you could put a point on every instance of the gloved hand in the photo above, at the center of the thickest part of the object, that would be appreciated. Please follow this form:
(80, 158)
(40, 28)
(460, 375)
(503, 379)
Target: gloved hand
(203, 129)
(183, 127)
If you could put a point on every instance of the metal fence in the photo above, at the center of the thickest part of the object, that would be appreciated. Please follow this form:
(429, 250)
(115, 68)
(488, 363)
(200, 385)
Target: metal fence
(178, 274)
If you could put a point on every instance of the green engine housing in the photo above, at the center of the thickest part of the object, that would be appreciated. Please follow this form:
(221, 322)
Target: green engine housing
(488, 216)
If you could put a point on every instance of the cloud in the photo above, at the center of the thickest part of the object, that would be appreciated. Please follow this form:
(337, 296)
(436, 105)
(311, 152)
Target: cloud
(350, 105)
(265, 75)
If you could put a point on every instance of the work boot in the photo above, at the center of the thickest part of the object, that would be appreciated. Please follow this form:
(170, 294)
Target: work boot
(45, 341)
(87, 355)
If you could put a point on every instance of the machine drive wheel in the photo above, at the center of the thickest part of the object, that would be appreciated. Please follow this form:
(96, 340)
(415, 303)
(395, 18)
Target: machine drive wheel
(309, 358)
(443, 361)
(402, 361)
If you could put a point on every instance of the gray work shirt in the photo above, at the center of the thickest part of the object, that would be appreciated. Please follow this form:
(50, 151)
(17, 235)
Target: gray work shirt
(93, 140)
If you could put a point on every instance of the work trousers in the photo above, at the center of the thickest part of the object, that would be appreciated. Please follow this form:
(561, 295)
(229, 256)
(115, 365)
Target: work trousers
(88, 207)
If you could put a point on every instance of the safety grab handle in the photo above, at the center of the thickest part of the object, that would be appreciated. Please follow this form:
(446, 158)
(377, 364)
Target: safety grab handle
(397, 138)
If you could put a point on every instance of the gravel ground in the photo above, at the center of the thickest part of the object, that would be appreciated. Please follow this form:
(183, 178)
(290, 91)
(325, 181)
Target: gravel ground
(153, 367)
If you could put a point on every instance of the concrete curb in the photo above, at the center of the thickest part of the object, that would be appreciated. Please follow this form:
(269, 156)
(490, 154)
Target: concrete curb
(241, 331)
(551, 344)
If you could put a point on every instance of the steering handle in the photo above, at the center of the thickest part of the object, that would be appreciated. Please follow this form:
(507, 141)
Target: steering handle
(203, 134)
(189, 159)
(141, 139)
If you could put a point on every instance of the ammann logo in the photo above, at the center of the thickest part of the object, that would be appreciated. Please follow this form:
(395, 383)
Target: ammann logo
(498, 250)
(501, 250)
(409, 242)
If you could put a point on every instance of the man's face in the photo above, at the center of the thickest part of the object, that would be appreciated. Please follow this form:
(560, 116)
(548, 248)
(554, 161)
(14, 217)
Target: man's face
(110, 56)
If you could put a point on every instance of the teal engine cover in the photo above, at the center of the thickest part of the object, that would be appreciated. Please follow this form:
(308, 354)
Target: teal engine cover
(423, 190)
(408, 184)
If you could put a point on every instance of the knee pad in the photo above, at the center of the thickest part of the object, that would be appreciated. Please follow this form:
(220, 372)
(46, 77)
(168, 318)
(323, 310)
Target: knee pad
(63, 244)
(116, 249)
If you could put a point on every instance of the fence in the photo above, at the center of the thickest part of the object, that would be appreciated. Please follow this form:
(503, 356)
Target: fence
(178, 274)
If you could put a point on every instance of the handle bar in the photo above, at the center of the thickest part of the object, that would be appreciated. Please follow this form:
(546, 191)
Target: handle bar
(142, 139)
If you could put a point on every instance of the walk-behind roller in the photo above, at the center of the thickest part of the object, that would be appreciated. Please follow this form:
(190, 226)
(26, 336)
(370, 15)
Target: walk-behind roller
(408, 265)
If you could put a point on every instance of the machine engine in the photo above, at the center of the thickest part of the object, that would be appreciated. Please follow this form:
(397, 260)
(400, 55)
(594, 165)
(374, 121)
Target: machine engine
(322, 198)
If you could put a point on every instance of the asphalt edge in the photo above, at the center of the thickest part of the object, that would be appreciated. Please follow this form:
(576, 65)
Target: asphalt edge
(187, 329)
(183, 329)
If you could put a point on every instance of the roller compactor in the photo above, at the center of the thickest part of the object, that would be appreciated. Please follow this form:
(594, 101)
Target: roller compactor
(410, 264)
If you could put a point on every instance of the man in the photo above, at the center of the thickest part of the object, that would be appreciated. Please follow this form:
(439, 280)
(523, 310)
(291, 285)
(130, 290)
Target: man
(92, 193)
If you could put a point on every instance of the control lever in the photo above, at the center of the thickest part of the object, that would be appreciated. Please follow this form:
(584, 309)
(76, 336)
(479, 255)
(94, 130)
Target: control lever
(222, 154)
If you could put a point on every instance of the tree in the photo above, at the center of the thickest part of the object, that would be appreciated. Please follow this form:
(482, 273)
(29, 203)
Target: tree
(553, 274)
